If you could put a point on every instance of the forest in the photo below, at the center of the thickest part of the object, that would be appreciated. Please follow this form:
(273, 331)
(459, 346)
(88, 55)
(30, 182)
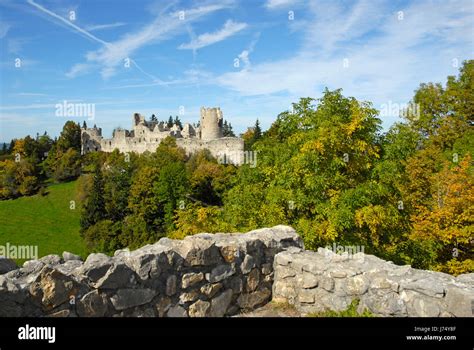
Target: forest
(325, 168)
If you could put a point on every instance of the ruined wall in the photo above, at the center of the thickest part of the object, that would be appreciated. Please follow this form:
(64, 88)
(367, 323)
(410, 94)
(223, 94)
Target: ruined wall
(232, 146)
(202, 275)
(323, 280)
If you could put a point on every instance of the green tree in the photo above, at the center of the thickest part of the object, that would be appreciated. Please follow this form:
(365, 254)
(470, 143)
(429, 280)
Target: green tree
(68, 166)
(170, 122)
(94, 207)
(177, 121)
(227, 130)
(70, 137)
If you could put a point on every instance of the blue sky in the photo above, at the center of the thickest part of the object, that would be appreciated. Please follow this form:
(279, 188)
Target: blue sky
(172, 57)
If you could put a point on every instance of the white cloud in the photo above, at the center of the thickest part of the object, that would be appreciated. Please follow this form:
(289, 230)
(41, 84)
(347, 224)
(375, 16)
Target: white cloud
(244, 56)
(93, 27)
(4, 28)
(230, 28)
(164, 27)
(67, 22)
(15, 45)
(273, 4)
(78, 69)
(28, 94)
(112, 54)
(387, 58)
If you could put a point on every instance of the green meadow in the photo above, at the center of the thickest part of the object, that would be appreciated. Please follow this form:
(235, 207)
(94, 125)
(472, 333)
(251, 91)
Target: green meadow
(46, 221)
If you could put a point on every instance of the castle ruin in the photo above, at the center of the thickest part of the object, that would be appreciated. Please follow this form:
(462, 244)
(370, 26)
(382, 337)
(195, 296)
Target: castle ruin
(147, 135)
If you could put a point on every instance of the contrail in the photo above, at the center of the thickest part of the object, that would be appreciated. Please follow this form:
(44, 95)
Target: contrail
(80, 30)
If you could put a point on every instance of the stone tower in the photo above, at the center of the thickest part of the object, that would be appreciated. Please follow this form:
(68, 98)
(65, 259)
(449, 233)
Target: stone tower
(211, 123)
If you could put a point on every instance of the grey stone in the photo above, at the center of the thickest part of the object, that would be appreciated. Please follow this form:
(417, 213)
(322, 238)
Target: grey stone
(190, 279)
(118, 276)
(163, 305)
(356, 285)
(428, 286)
(221, 303)
(252, 300)
(32, 266)
(253, 279)
(220, 273)
(199, 309)
(70, 267)
(51, 260)
(7, 265)
(308, 281)
(146, 312)
(248, 264)
(146, 265)
(284, 272)
(424, 307)
(282, 259)
(467, 278)
(389, 304)
(384, 283)
(230, 253)
(284, 290)
(127, 298)
(267, 269)
(188, 297)
(236, 284)
(67, 256)
(52, 288)
(327, 283)
(96, 266)
(171, 285)
(210, 289)
(199, 251)
(177, 311)
(93, 304)
(460, 301)
(61, 313)
(306, 296)
(338, 274)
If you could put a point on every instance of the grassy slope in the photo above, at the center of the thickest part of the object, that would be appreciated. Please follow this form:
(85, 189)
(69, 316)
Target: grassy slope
(44, 221)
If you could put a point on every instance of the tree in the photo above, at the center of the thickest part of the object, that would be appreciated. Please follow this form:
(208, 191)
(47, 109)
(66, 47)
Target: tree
(117, 181)
(252, 135)
(177, 121)
(94, 206)
(169, 189)
(84, 125)
(12, 145)
(446, 222)
(153, 118)
(208, 180)
(70, 137)
(17, 178)
(142, 202)
(227, 130)
(67, 166)
(170, 122)
(257, 131)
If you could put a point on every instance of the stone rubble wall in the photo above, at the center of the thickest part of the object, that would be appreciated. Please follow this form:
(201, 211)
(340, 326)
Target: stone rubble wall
(318, 281)
(202, 275)
(215, 275)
